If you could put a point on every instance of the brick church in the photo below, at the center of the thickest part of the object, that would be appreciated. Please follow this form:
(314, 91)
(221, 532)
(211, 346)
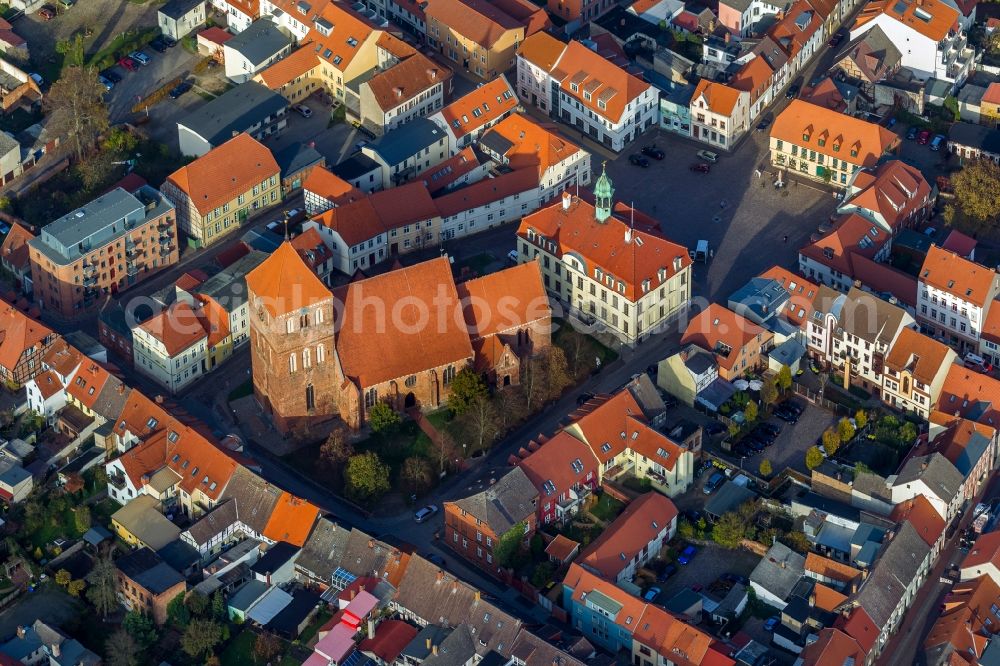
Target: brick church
(400, 337)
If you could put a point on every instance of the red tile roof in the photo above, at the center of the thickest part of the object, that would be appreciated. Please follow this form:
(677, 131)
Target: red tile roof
(648, 255)
(216, 35)
(885, 280)
(225, 172)
(853, 236)
(678, 641)
(18, 333)
(14, 249)
(824, 567)
(63, 358)
(958, 276)
(407, 80)
(553, 462)
(561, 548)
(921, 354)
(972, 395)
(422, 316)
(802, 291)
(629, 534)
(832, 646)
(451, 171)
(582, 583)
(922, 516)
(801, 119)
(958, 242)
(606, 81)
(48, 384)
(520, 292)
(291, 520)
(942, 17)
(481, 107)
(87, 383)
(859, 626)
(720, 330)
(391, 638)
(284, 282)
(542, 50)
(177, 328)
(298, 63)
(487, 190)
(533, 144)
(991, 327)
(986, 549)
(718, 97)
(324, 183)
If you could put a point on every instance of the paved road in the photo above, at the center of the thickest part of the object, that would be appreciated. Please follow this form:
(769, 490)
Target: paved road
(906, 647)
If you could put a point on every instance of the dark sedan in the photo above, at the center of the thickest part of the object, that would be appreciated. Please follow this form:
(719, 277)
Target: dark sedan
(654, 152)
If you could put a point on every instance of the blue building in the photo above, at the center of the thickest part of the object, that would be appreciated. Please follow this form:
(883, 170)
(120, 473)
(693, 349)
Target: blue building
(603, 613)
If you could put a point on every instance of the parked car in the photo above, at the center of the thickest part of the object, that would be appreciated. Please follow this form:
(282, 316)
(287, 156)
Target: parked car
(700, 168)
(303, 110)
(708, 156)
(180, 89)
(638, 160)
(105, 81)
(687, 555)
(771, 623)
(128, 64)
(763, 124)
(911, 134)
(111, 75)
(714, 482)
(293, 214)
(924, 137)
(37, 78)
(140, 57)
(792, 91)
(434, 558)
(937, 142)
(668, 571)
(158, 45)
(583, 398)
(169, 41)
(426, 512)
(836, 40)
(47, 12)
(654, 152)
(652, 593)
(773, 428)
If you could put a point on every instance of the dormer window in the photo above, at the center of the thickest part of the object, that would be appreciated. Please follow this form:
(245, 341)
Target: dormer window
(854, 152)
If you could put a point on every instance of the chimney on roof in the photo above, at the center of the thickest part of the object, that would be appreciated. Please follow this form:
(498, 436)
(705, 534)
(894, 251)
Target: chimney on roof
(159, 399)
(20, 631)
(371, 543)
(371, 628)
(55, 650)
(398, 91)
(812, 600)
(864, 574)
(440, 576)
(478, 594)
(428, 643)
(454, 586)
(236, 133)
(567, 199)
(923, 465)
(727, 37)
(434, 650)
(121, 388)
(433, 73)
(354, 593)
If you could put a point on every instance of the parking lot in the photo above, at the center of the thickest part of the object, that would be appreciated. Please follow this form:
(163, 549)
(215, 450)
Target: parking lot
(744, 218)
(789, 449)
(709, 563)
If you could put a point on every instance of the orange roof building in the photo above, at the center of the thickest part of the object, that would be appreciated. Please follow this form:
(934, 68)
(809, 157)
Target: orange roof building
(413, 87)
(15, 256)
(736, 341)
(802, 292)
(916, 368)
(967, 623)
(832, 646)
(291, 520)
(632, 539)
(929, 19)
(520, 142)
(216, 192)
(822, 144)
(956, 297)
(23, 342)
(624, 272)
(983, 559)
(323, 190)
(318, 353)
(971, 395)
(469, 116)
(895, 196)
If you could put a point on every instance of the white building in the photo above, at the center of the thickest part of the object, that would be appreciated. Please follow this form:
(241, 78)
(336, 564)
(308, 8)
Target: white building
(608, 263)
(469, 116)
(586, 91)
(922, 31)
(171, 347)
(254, 49)
(720, 113)
(915, 371)
(934, 477)
(239, 13)
(954, 297)
(488, 203)
(179, 18)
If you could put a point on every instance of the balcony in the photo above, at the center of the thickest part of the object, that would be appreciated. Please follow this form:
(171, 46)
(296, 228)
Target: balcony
(163, 225)
(131, 270)
(166, 235)
(89, 269)
(90, 280)
(118, 481)
(132, 250)
(166, 249)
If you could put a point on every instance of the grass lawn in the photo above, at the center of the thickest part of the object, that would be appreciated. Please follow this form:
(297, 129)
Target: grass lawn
(239, 651)
(607, 508)
(581, 349)
(321, 618)
(129, 40)
(241, 391)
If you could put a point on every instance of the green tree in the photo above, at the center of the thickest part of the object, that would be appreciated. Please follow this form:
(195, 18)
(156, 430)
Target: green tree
(729, 530)
(734, 429)
(121, 649)
(785, 378)
(797, 541)
(63, 577)
(103, 579)
(813, 457)
(769, 391)
(81, 516)
(543, 573)
(509, 544)
(219, 611)
(845, 429)
(76, 109)
(75, 587)
(750, 411)
(201, 636)
(336, 450)
(198, 604)
(861, 418)
(466, 388)
(908, 433)
(765, 468)
(140, 627)
(685, 529)
(366, 476)
(416, 475)
(951, 108)
(266, 647)
(71, 50)
(977, 192)
(831, 441)
(382, 418)
(177, 612)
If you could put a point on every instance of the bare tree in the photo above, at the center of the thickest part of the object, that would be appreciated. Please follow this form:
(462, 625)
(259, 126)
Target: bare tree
(77, 109)
(480, 422)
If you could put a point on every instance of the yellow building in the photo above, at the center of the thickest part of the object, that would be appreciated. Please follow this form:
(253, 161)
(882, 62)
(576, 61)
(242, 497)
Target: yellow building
(482, 37)
(218, 191)
(989, 108)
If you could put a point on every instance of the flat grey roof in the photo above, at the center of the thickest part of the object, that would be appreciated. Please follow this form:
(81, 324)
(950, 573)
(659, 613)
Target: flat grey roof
(407, 140)
(259, 42)
(178, 9)
(106, 218)
(234, 111)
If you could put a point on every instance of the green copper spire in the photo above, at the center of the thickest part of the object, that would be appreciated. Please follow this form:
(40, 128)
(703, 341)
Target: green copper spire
(604, 192)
